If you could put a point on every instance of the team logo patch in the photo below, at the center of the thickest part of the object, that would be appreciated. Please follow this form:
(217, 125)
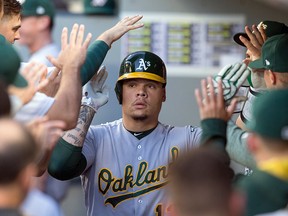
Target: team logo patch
(40, 10)
(143, 65)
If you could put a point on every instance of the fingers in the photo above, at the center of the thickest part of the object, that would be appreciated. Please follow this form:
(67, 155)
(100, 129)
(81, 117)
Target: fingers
(231, 107)
(219, 96)
(99, 78)
(252, 36)
(231, 73)
(55, 124)
(103, 78)
(64, 38)
(37, 121)
(54, 74)
(263, 34)
(87, 40)
(54, 61)
(248, 44)
(259, 39)
(73, 34)
(243, 77)
(80, 35)
(105, 90)
(224, 70)
(239, 73)
(198, 98)
(210, 97)
(132, 20)
(204, 90)
(33, 71)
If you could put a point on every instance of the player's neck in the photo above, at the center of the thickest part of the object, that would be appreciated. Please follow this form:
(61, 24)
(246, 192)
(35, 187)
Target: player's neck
(39, 43)
(139, 125)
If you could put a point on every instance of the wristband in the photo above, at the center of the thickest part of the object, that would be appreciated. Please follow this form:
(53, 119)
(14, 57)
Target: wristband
(246, 114)
(87, 101)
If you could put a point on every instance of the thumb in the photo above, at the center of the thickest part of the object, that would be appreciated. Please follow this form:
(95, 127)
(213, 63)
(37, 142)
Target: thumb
(105, 90)
(231, 107)
(54, 61)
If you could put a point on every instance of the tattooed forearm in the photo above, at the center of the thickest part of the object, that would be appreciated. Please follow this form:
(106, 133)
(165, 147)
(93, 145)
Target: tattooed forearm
(77, 135)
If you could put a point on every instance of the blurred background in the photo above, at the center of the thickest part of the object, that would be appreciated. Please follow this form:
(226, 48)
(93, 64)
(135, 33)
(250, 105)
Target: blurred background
(194, 38)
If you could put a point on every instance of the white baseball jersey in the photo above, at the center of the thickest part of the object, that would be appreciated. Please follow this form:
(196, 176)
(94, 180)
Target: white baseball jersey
(126, 176)
(40, 55)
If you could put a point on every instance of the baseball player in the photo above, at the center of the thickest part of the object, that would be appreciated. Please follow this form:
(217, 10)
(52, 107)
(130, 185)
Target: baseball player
(266, 189)
(253, 39)
(41, 104)
(124, 164)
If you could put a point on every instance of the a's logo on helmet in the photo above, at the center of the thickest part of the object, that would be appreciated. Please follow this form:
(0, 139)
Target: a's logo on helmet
(143, 64)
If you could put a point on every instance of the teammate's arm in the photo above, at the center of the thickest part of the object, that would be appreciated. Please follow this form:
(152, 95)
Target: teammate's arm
(237, 147)
(72, 55)
(213, 114)
(67, 160)
(99, 48)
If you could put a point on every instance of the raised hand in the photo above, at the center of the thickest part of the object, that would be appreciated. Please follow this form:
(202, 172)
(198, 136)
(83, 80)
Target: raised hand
(95, 93)
(46, 134)
(257, 37)
(73, 51)
(122, 27)
(232, 77)
(33, 73)
(211, 104)
(53, 79)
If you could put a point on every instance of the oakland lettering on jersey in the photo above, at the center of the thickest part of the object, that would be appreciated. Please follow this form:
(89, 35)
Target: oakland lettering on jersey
(155, 177)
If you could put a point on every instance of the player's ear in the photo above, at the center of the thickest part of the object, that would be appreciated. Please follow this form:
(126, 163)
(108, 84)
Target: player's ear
(253, 143)
(164, 95)
(272, 77)
(43, 22)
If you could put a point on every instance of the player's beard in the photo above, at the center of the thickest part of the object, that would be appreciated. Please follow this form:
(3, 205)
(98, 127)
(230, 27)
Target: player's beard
(139, 118)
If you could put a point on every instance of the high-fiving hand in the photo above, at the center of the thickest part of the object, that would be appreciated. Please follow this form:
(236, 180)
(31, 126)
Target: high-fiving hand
(95, 93)
(232, 76)
(211, 104)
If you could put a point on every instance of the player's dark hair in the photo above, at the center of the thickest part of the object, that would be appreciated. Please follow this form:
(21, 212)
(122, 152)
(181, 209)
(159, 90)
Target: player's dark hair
(51, 24)
(1, 5)
(16, 156)
(5, 106)
(195, 173)
(11, 8)
(212, 163)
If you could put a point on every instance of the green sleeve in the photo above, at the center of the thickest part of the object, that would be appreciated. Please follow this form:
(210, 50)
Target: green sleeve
(214, 133)
(67, 161)
(237, 147)
(95, 56)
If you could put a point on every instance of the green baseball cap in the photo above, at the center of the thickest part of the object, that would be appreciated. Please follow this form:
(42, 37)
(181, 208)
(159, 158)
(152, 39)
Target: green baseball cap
(99, 7)
(270, 121)
(274, 55)
(10, 64)
(271, 28)
(38, 8)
